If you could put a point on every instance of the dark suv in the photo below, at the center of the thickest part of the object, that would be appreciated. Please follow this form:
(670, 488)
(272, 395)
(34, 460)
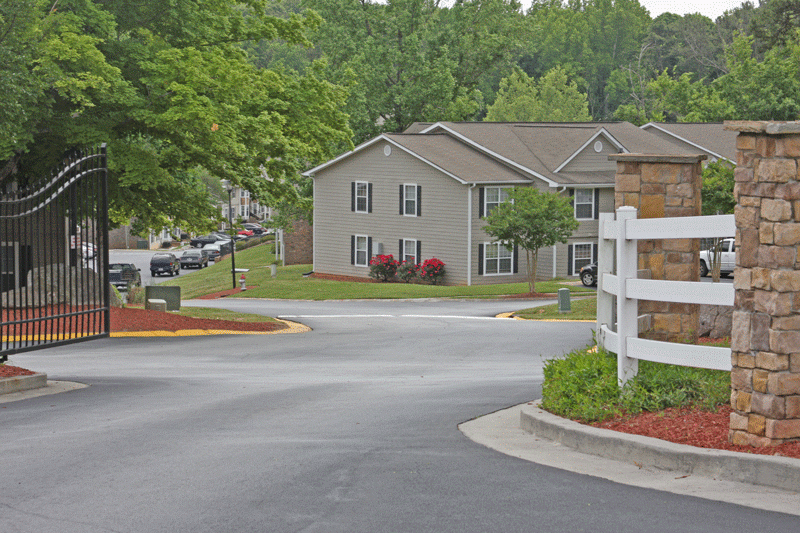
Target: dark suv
(165, 264)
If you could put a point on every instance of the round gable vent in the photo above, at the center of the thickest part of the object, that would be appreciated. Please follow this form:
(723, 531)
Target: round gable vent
(598, 146)
(387, 150)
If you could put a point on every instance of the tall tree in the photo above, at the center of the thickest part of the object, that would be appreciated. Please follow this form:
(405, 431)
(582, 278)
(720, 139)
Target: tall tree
(169, 87)
(553, 98)
(413, 60)
(531, 220)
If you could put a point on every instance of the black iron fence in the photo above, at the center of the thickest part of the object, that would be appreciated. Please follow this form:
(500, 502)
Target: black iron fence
(54, 257)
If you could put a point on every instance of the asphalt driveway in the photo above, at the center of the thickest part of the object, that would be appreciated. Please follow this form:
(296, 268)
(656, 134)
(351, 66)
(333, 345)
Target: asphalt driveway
(349, 428)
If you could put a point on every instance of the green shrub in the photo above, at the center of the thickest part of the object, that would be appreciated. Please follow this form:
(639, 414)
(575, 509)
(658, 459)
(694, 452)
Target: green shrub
(582, 385)
(383, 267)
(407, 271)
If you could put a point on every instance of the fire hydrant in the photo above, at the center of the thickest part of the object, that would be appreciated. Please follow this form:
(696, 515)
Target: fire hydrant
(243, 283)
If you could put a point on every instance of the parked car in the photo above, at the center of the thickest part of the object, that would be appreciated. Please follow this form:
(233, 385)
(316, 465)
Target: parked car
(124, 275)
(202, 240)
(89, 250)
(194, 259)
(164, 263)
(727, 258)
(246, 232)
(588, 274)
(213, 251)
(257, 229)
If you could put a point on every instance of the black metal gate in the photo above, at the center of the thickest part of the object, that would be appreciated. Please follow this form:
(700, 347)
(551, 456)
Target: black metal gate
(54, 257)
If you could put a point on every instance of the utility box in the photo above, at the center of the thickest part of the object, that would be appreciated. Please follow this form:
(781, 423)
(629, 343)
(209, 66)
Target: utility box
(171, 295)
(564, 305)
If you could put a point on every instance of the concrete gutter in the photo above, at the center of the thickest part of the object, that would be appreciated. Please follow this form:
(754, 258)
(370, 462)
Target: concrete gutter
(765, 470)
(22, 383)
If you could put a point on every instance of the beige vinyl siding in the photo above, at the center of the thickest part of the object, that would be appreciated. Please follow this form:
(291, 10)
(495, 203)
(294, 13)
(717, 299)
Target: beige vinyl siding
(587, 160)
(441, 228)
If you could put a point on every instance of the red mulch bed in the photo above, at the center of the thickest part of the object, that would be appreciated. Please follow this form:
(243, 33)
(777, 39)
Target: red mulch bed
(131, 319)
(704, 429)
(8, 371)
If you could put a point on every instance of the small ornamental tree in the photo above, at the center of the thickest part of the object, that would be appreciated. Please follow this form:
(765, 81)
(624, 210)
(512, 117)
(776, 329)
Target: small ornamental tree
(531, 220)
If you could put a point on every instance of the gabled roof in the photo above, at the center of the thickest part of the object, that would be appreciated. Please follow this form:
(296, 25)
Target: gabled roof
(503, 152)
(444, 153)
(544, 148)
(710, 137)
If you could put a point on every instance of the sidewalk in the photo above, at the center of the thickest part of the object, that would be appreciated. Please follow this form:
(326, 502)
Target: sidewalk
(527, 432)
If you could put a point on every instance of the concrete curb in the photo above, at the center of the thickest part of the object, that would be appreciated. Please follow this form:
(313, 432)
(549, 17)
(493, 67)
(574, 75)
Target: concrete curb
(21, 383)
(766, 470)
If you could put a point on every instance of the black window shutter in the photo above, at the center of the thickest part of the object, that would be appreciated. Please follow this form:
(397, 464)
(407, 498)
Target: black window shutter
(369, 198)
(402, 252)
(572, 197)
(419, 201)
(596, 204)
(569, 260)
(516, 259)
(594, 252)
(352, 249)
(419, 251)
(480, 258)
(352, 196)
(402, 203)
(369, 249)
(480, 202)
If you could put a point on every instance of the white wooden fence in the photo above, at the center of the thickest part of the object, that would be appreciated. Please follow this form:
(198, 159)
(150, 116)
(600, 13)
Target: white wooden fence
(618, 240)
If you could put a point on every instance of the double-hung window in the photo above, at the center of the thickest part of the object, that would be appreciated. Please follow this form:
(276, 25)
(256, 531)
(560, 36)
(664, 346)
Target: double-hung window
(359, 250)
(361, 197)
(410, 200)
(410, 250)
(585, 204)
(491, 197)
(582, 253)
(497, 259)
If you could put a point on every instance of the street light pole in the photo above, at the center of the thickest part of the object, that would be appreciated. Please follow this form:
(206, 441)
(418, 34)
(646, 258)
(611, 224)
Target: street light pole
(233, 241)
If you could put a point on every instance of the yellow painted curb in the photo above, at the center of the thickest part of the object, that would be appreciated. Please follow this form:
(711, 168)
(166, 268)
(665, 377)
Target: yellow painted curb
(511, 315)
(293, 327)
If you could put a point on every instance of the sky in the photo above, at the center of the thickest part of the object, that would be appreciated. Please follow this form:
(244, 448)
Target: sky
(710, 8)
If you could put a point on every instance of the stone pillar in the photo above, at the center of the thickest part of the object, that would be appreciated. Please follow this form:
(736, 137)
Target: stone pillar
(664, 186)
(765, 338)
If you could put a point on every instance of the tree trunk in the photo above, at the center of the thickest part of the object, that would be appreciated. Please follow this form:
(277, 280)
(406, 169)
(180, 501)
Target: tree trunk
(533, 261)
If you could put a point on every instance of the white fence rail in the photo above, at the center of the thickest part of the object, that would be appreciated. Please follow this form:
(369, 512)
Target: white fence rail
(618, 240)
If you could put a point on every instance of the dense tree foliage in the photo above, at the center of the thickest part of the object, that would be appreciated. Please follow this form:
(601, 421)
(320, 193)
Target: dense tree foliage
(553, 98)
(190, 92)
(171, 90)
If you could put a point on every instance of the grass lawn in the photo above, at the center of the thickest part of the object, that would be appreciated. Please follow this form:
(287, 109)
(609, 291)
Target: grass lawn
(290, 283)
(582, 309)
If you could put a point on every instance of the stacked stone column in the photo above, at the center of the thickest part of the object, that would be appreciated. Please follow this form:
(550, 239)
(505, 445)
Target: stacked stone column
(765, 339)
(664, 186)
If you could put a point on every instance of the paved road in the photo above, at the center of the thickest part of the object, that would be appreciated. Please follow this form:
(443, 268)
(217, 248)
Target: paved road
(349, 428)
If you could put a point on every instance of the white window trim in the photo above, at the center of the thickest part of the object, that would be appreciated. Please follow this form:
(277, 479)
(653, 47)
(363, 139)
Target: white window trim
(500, 245)
(366, 197)
(366, 251)
(405, 244)
(406, 198)
(486, 198)
(575, 204)
(575, 269)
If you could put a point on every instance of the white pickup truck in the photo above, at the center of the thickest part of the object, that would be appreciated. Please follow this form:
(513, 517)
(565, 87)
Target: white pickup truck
(727, 258)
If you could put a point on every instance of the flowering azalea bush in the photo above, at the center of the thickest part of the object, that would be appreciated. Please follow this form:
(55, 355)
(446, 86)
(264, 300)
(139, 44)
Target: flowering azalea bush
(407, 271)
(431, 270)
(383, 267)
